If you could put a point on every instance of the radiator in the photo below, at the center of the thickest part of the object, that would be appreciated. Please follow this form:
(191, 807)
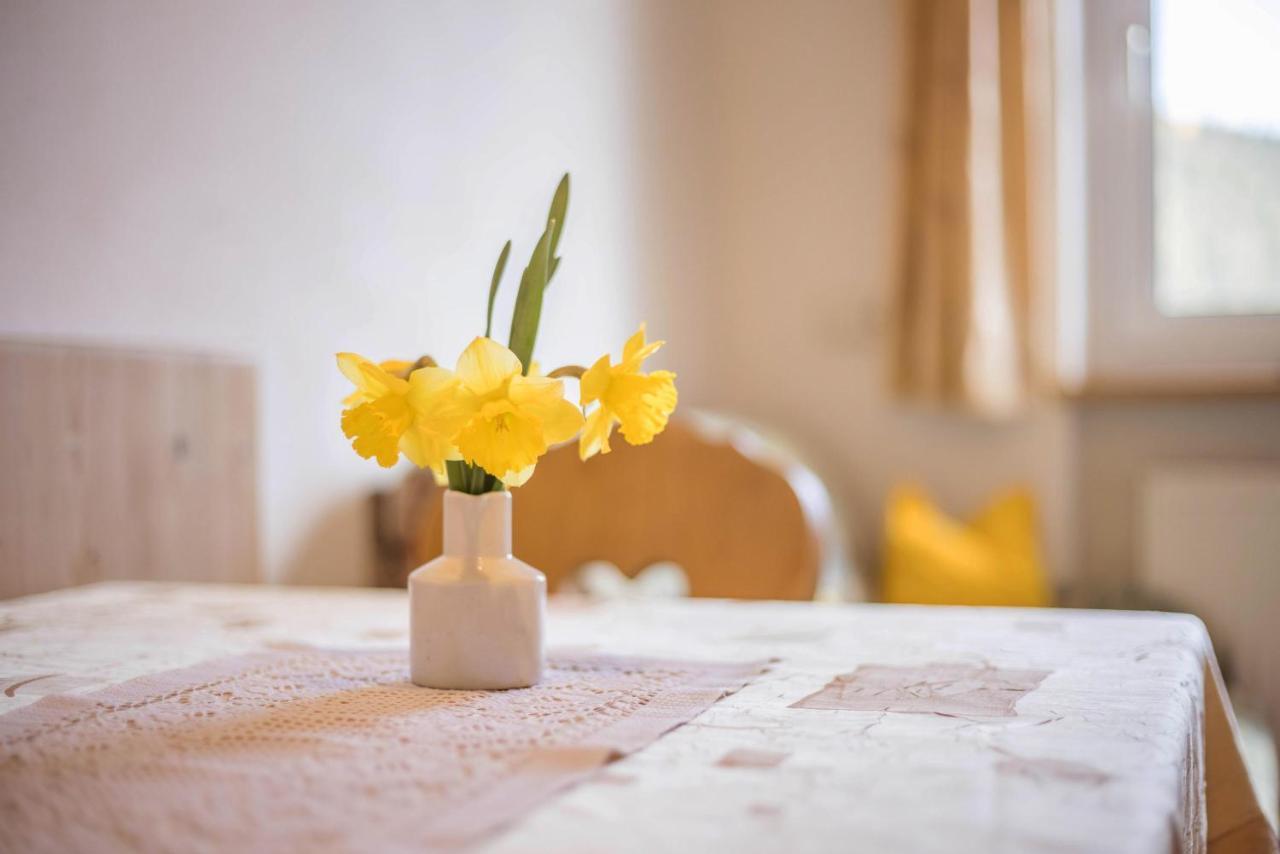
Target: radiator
(1209, 543)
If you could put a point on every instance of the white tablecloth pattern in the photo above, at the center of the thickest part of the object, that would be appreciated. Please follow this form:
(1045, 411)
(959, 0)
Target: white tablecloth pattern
(1097, 743)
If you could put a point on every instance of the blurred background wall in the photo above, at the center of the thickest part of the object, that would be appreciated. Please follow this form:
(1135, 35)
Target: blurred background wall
(281, 181)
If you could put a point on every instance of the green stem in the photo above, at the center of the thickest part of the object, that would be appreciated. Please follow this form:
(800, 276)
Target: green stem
(477, 480)
(471, 479)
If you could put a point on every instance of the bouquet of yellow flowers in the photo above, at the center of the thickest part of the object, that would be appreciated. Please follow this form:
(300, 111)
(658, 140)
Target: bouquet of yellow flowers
(484, 425)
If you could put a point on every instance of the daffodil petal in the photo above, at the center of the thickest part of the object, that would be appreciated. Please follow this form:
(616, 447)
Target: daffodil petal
(635, 351)
(373, 435)
(594, 382)
(561, 422)
(383, 382)
(436, 397)
(636, 359)
(502, 441)
(349, 364)
(425, 449)
(634, 344)
(431, 380)
(513, 479)
(371, 380)
(534, 391)
(643, 403)
(395, 366)
(544, 399)
(485, 365)
(595, 434)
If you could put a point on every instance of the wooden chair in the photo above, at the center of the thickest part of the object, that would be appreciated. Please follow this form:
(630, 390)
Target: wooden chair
(741, 518)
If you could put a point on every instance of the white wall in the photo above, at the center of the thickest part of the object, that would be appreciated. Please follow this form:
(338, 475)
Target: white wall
(284, 180)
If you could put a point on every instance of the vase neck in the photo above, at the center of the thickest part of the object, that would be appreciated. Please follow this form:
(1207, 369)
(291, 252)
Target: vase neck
(477, 525)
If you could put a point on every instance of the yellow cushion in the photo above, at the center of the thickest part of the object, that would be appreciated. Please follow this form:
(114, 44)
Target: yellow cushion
(933, 559)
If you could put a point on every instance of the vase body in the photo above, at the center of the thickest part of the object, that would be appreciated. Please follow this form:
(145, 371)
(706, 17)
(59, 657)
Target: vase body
(476, 612)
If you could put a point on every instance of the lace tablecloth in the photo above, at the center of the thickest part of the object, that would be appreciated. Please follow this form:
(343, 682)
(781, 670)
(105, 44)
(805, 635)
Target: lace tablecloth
(877, 728)
(324, 750)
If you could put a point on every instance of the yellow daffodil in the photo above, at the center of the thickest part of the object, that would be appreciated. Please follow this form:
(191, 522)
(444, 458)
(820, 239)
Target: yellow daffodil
(514, 418)
(640, 402)
(390, 414)
(439, 411)
(395, 367)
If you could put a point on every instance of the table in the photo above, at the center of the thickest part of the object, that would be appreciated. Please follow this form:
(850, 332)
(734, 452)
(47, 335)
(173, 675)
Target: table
(876, 728)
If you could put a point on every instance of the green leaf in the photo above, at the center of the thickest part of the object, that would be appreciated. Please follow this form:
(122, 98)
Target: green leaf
(555, 221)
(493, 286)
(476, 484)
(528, 310)
(457, 471)
(470, 479)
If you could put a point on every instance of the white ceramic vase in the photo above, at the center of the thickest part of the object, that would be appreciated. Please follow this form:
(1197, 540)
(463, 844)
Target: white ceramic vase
(476, 612)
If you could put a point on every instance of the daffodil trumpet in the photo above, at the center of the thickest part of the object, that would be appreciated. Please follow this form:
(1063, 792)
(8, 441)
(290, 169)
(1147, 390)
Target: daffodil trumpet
(483, 425)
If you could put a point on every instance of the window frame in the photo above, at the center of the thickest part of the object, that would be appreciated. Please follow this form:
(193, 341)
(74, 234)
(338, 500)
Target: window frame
(1110, 331)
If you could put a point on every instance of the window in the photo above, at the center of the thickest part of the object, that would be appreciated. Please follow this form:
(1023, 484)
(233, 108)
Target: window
(1216, 125)
(1168, 149)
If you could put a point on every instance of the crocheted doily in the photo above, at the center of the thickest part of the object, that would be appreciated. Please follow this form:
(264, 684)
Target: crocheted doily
(324, 750)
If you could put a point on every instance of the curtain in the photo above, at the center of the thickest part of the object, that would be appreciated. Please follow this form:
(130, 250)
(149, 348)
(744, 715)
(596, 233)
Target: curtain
(963, 319)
